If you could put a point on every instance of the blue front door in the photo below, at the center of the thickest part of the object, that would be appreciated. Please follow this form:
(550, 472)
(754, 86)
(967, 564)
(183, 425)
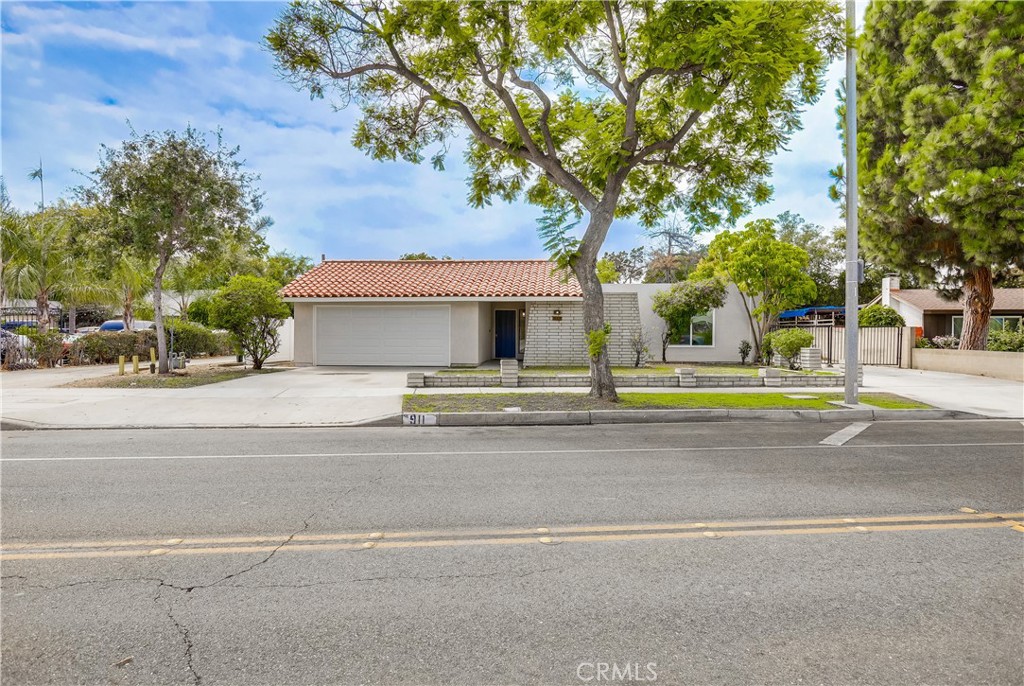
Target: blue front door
(504, 333)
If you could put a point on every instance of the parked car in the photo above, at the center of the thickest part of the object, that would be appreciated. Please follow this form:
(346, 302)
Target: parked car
(15, 325)
(118, 325)
(86, 329)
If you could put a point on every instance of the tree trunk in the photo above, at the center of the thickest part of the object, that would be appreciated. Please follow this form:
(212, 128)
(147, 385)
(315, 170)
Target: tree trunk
(602, 385)
(158, 316)
(978, 299)
(42, 312)
(72, 318)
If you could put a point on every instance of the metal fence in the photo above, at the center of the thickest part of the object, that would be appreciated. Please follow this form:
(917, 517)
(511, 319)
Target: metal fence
(881, 345)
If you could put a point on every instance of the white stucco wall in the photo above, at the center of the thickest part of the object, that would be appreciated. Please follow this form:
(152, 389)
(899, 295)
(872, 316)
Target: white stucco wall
(465, 333)
(302, 350)
(731, 326)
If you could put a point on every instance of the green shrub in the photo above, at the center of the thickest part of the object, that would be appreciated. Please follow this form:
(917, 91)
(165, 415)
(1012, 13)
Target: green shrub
(191, 338)
(879, 315)
(47, 348)
(250, 308)
(744, 351)
(103, 347)
(199, 310)
(787, 343)
(767, 351)
(1006, 340)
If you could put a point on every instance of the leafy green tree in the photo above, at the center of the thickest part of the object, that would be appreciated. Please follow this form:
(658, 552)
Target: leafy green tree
(682, 302)
(199, 310)
(771, 275)
(879, 315)
(610, 109)
(421, 256)
(167, 195)
(941, 110)
(283, 267)
(606, 271)
(824, 256)
(252, 311)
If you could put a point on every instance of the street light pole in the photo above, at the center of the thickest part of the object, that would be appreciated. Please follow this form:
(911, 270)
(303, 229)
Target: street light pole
(852, 263)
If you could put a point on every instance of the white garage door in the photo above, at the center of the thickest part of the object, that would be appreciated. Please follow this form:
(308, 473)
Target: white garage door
(399, 336)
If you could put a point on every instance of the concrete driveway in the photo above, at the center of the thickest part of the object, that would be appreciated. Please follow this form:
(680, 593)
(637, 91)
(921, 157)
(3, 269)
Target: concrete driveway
(978, 394)
(314, 396)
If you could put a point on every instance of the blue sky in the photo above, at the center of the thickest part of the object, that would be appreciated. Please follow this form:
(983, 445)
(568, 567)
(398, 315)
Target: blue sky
(74, 74)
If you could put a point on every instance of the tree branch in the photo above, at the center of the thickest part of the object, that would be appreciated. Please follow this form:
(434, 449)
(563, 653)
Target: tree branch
(545, 112)
(596, 75)
(618, 49)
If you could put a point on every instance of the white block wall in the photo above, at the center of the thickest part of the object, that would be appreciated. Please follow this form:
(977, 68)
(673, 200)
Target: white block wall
(550, 341)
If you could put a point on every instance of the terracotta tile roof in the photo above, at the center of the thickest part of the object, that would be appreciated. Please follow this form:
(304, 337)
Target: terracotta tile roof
(928, 300)
(431, 279)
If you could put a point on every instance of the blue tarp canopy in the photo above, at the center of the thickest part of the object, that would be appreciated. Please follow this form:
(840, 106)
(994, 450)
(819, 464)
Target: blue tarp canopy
(804, 311)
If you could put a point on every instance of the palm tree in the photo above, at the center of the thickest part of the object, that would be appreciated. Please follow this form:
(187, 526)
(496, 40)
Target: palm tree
(38, 259)
(131, 279)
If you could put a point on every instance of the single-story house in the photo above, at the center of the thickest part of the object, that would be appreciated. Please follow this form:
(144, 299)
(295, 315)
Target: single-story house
(455, 313)
(926, 310)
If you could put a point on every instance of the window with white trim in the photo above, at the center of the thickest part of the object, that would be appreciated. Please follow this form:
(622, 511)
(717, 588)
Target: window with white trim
(695, 331)
(996, 323)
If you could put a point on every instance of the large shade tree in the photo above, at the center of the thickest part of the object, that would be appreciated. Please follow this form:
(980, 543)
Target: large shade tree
(595, 109)
(940, 148)
(770, 274)
(167, 195)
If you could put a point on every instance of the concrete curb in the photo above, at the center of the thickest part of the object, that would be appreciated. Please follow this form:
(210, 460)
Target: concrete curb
(674, 416)
(556, 418)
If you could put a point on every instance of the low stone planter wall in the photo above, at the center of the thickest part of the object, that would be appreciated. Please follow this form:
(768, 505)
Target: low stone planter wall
(465, 381)
(542, 380)
(805, 380)
(420, 380)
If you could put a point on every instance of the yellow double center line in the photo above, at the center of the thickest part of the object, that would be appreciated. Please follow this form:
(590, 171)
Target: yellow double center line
(228, 545)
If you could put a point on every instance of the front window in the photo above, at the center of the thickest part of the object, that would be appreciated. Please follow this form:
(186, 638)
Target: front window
(697, 330)
(996, 323)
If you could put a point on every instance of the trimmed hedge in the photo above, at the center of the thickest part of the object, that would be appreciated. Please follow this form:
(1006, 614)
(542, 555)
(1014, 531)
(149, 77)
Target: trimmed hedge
(104, 347)
(879, 315)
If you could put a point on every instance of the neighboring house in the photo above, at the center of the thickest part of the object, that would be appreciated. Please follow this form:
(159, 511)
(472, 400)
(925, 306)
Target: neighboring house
(926, 310)
(452, 313)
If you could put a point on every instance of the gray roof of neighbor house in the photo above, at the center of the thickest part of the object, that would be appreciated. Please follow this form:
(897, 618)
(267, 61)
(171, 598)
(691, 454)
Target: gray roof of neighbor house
(928, 300)
(433, 279)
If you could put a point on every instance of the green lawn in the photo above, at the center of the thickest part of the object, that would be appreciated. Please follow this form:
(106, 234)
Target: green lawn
(496, 402)
(193, 376)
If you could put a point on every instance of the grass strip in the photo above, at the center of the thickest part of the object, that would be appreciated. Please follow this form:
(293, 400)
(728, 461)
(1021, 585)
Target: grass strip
(497, 402)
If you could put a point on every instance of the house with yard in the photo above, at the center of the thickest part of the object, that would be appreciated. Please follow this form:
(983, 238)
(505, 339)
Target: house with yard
(462, 313)
(930, 313)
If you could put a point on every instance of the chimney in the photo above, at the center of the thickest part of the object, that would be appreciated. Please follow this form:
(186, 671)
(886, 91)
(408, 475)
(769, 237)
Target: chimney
(889, 283)
(323, 257)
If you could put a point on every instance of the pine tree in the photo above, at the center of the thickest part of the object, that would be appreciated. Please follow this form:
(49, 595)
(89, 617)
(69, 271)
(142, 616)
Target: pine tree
(941, 145)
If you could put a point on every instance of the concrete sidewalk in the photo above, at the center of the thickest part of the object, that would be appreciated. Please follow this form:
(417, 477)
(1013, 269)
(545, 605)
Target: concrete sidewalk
(340, 396)
(297, 397)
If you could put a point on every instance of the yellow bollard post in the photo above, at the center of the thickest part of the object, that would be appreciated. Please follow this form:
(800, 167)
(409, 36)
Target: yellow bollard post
(120, 365)
(152, 360)
(135, 364)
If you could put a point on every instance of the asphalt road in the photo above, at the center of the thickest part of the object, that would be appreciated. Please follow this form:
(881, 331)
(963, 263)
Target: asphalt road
(732, 553)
